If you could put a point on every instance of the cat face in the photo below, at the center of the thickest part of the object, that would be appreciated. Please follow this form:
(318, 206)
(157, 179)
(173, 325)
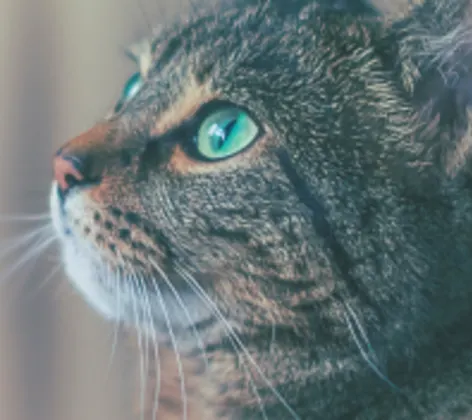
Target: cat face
(266, 167)
(184, 181)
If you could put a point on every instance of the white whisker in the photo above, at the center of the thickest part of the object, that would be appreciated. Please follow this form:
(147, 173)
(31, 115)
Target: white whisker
(34, 252)
(25, 217)
(116, 323)
(142, 373)
(140, 284)
(17, 242)
(155, 407)
(361, 330)
(176, 351)
(47, 279)
(366, 357)
(234, 345)
(230, 330)
(185, 310)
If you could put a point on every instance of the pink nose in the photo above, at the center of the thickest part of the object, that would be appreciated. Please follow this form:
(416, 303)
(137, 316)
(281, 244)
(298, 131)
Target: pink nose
(67, 172)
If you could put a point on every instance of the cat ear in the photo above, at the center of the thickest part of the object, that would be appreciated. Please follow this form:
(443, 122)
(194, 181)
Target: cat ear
(141, 53)
(294, 7)
(430, 50)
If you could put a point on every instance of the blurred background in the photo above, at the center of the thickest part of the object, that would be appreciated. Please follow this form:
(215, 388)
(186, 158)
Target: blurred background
(61, 67)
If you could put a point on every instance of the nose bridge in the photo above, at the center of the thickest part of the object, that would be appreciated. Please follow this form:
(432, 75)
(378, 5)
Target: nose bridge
(93, 150)
(88, 143)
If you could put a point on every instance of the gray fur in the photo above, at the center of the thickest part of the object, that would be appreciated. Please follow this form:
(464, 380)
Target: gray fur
(340, 248)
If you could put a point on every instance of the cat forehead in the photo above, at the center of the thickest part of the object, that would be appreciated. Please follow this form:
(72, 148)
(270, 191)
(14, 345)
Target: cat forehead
(201, 35)
(179, 62)
(234, 54)
(222, 25)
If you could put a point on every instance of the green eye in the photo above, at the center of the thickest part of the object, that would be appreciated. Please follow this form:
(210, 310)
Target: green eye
(225, 133)
(132, 87)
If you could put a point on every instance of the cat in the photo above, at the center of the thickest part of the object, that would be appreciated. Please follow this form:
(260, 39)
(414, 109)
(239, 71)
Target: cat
(281, 203)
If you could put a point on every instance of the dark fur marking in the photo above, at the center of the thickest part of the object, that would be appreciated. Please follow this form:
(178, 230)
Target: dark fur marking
(116, 212)
(124, 234)
(132, 218)
(340, 256)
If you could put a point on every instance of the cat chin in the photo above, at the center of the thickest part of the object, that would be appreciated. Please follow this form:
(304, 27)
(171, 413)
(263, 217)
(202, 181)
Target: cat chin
(83, 275)
(145, 314)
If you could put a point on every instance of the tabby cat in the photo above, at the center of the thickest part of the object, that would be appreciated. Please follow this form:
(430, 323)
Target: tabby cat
(281, 202)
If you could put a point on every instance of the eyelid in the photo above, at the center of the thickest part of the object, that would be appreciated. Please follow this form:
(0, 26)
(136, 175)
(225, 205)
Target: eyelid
(207, 108)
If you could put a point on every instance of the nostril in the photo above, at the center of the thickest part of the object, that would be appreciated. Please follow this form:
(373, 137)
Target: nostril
(68, 172)
(71, 180)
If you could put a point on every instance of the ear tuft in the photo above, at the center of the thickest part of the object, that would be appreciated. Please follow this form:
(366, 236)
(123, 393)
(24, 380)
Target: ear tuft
(141, 53)
(434, 61)
(394, 10)
(294, 7)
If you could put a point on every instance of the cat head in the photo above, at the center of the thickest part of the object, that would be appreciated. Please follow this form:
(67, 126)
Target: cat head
(269, 164)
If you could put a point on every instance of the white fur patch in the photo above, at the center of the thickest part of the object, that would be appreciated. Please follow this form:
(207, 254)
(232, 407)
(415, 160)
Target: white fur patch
(84, 277)
(81, 267)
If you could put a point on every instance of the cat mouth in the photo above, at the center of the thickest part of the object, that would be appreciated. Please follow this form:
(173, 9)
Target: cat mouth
(57, 210)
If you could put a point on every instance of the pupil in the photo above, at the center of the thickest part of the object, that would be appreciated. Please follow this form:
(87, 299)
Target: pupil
(223, 133)
(230, 126)
(220, 134)
(220, 142)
